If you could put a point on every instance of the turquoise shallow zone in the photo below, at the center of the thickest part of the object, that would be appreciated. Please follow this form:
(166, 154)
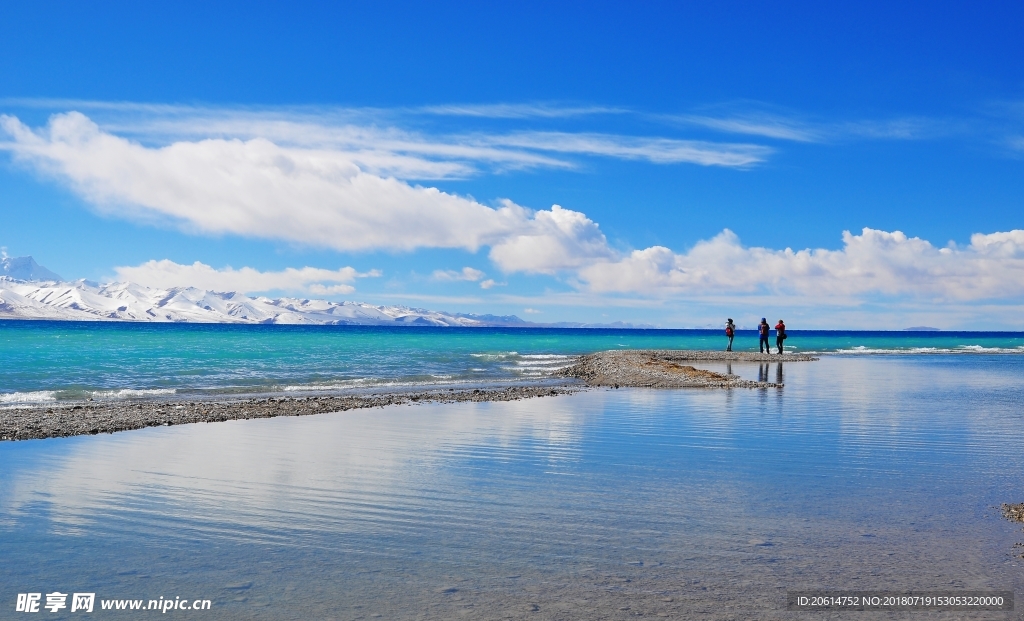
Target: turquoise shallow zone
(863, 472)
(45, 361)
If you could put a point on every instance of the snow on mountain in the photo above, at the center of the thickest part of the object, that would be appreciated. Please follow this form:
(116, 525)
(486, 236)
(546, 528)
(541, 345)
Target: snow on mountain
(30, 291)
(83, 300)
(25, 268)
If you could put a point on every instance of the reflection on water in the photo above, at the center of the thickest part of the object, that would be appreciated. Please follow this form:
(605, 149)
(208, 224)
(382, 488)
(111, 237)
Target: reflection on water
(861, 473)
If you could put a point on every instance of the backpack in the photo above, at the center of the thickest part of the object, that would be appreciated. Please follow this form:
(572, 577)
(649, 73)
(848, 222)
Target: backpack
(728, 331)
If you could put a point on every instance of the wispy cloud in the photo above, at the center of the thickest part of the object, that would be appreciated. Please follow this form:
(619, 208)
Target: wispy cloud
(519, 111)
(467, 273)
(756, 125)
(656, 150)
(799, 128)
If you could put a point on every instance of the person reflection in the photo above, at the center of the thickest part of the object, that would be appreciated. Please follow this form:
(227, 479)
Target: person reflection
(728, 368)
(778, 373)
(762, 372)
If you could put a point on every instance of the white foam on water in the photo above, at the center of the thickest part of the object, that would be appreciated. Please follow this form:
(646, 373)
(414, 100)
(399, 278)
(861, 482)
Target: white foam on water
(495, 355)
(333, 386)
(546, 356)
(127, 393)
(17, 398)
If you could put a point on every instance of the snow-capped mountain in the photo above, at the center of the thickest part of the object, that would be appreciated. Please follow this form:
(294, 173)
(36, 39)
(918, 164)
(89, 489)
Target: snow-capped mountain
(25, 268)
(83, 300)
(30, 291)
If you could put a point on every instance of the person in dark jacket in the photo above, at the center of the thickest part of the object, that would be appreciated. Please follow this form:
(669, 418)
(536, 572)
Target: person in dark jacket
(780, 334)
(762, 330)
(730, 332)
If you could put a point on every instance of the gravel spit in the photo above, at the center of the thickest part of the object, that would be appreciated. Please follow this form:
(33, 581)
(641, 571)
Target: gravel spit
(92, 418)
(662, 368)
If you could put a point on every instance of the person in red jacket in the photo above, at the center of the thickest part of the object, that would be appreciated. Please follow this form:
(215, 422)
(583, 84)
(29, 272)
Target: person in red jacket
(780, 334)
(730, 331)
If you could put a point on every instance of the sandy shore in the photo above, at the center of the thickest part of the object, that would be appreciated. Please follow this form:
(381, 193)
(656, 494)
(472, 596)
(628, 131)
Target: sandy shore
(107, 417)
(664, 369)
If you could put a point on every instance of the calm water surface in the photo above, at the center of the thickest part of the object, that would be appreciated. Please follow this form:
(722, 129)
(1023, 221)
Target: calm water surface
(863, 472)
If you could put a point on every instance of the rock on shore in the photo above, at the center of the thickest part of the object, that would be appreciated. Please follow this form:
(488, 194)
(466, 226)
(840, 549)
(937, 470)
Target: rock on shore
(663, 369)
(94, 418)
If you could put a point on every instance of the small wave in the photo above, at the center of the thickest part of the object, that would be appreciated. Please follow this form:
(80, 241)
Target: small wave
(126, 393)
(534, 367)
(496, 355)
(39, 396)
(333, 386)
(546, 356)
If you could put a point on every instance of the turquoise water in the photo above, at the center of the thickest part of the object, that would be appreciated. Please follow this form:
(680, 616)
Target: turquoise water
(864, 472)
(46, 361)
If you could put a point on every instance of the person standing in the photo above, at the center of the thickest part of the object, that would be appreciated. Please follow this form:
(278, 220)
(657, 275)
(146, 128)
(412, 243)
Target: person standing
(730, 331)
(780, 334)
(762, 330)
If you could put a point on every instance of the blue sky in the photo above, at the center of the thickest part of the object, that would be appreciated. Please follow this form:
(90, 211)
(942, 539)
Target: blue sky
(424, 145)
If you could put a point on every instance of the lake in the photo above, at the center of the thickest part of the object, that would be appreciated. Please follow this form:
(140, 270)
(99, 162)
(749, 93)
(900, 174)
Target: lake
(866, 471)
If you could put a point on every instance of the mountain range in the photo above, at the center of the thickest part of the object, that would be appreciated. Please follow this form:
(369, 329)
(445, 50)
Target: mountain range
(30, 291)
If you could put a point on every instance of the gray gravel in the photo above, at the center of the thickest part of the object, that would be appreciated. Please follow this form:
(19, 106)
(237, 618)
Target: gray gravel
(93, 418)
(662, 369)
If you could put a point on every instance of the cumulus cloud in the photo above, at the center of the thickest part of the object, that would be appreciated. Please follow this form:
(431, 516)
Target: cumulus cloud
(325, 195)
(259, 189)
(873, 262)
(166, 274)
(558, 239)
(312, 196)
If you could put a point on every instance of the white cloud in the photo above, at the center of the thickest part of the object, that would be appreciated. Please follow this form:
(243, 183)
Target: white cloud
(531, 311)
(656, 150)
(166, 274)
(467, 274)
(872, 263)
(316, 197)
(558, 239)
(769, 126)
(793, 128)
(259, 189)
(519, 111)
(322, 194)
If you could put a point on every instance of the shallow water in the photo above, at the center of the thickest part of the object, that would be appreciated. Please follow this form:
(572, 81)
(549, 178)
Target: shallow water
(863, 472)
(49, 361)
